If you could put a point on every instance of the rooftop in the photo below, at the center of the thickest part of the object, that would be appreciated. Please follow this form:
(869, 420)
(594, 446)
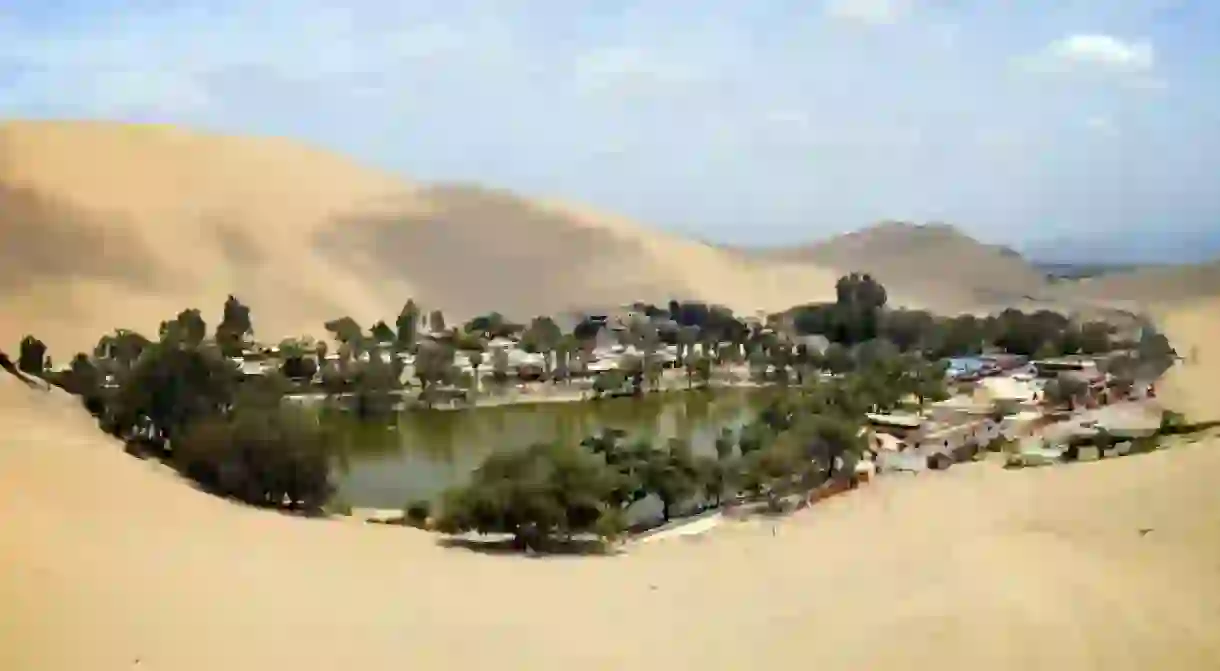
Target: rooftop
(904, 421)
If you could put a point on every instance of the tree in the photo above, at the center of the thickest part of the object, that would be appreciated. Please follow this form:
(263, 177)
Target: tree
(1064, 390)
(930, 382)
(759, 363)
(408, 327)
(499, 365)
(1047, 350)
(297, 357)
(837, 359)
(436, 321)
(687, 337)
(173, 387)
(565, 349)
(382, 334)
(767, 471)
(826, 440)
(1095, 338)
(346, 331)
(725, 440)
(671, 475)
(712, 477)
(373, 385)
(542, 336)
(235, 326)
(476, 360)
(122, 348)
(607, 381)
(698, 368)
(859, 302)
(298, 366)
(1155, 353)
(31, 356)
(628, 460)
(186, 330)
(541, 494)
(433, 365)
(259, 456)
(83, 379)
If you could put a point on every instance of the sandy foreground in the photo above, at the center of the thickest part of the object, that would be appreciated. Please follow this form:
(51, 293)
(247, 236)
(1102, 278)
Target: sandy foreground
(106, 563)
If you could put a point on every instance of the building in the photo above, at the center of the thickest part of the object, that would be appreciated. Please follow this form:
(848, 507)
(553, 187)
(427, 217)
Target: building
(1050, 368)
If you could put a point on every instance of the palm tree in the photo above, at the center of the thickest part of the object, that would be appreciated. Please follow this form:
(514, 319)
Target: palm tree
(476, 360)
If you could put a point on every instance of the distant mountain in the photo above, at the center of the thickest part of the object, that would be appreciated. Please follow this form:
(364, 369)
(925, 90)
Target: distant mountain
(1147, 286)
(938, 264)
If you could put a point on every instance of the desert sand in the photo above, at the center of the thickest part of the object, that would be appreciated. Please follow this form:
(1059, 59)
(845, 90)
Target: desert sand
(1194, 329)
(157, 219)
(107, 562)
(1148, 289)
(938, 266)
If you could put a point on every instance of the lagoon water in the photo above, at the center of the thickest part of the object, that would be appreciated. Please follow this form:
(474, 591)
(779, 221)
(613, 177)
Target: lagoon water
(418, 454)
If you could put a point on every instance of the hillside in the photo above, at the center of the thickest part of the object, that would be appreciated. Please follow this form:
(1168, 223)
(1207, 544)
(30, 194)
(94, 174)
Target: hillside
(945, 268)
(105, 225)
(1147, 288)
(1194, 330)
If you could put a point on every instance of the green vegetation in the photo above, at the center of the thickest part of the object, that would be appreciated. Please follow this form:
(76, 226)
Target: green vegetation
(549, 492)
(860, 314)
(190, 399)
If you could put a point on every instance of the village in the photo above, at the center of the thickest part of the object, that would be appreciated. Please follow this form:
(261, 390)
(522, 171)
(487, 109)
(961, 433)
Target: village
(1003, 399)
(523, 375)
(994, 397)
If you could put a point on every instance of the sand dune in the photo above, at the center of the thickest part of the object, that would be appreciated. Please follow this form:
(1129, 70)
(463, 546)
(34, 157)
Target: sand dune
(105, 225)
(1191, 386)
(108, 564)
(1148, 288)
(936, 266)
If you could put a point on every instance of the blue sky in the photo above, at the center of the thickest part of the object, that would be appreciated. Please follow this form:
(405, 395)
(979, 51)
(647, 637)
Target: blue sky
(764, 122)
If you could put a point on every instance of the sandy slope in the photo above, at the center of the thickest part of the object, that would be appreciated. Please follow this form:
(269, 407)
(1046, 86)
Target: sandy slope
(106, 564)
(1194, 330)
(931, 266)
(105, 225)
(1148, 288)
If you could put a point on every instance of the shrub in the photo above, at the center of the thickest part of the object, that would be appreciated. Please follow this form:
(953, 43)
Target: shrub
(262, 457)
(1144, 445)
(416, 513)
(32, 356)
(539, 495)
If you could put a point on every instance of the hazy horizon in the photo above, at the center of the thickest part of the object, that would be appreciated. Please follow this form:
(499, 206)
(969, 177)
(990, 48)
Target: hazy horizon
(772, 123)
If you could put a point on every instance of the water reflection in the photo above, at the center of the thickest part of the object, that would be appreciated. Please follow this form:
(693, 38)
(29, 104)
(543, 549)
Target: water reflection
(418, 454)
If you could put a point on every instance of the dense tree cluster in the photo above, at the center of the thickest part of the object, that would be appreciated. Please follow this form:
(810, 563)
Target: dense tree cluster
(183, 396)
(545, 494)
(859, 314)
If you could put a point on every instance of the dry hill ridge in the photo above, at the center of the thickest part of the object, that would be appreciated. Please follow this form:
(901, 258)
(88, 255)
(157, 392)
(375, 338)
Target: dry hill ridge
(105, 225)
(950, 269)
(1147, 288)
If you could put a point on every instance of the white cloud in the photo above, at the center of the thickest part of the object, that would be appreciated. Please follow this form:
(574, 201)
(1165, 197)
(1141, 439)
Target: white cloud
(633, 70)
(1102, 58)
(871, 12)
(1102, 125)
(1103, 51)
(162, 63)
